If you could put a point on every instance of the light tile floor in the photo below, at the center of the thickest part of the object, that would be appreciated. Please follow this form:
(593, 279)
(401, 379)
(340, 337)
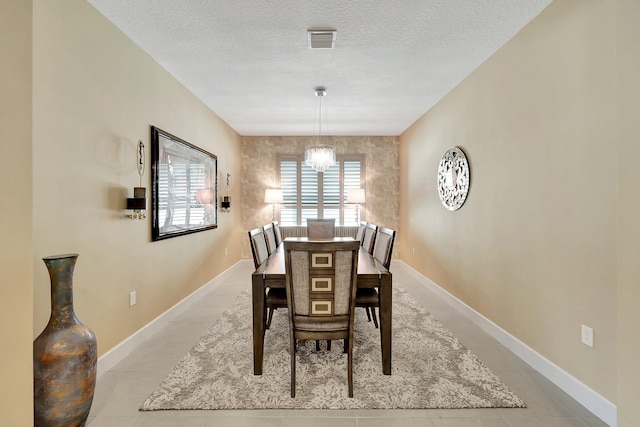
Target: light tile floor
(121, 390)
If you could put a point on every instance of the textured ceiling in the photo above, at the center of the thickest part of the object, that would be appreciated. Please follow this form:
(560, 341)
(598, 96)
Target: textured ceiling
(248, 60)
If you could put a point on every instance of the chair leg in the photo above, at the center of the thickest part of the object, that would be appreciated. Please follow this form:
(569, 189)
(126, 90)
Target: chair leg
(366, 309)
(328, 345)
(375, 318)
(293, 367)
(270, 316)
(317, 345)
(264, 318)
(350, 368)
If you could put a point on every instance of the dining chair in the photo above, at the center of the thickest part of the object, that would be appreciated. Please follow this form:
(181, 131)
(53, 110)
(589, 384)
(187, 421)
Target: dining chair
(321, 289)
(321, 228)
(274, 297)
(278, 234)
(369, 237)
(383, 247)
(368, 298)
(270, 236)
(360, 232)
(258, 246)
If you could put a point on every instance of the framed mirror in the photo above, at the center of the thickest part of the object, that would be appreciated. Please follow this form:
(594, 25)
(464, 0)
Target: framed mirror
(184, 194)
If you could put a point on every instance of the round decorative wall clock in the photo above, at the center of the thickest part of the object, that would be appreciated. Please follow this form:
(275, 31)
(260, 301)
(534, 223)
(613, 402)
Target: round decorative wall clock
(453, 178)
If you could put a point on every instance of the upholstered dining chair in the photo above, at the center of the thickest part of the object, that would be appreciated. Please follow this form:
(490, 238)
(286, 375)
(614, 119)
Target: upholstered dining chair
(321, 290)
(278, 234)
(369, 237)
(270, 236)
(275, 297)
(368, 298)
(360, 232)
(321, 228)
(258, 246)
(383, 248)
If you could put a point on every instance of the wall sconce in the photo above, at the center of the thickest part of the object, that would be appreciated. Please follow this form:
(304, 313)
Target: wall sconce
(139, 201)
(226, 200)
(226, 204)
(273, 196)
(356, 195)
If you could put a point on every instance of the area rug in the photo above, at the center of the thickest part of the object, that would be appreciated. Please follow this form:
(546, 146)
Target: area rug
(431, 368)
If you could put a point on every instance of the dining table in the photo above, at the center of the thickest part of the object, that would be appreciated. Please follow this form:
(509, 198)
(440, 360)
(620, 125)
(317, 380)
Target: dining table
(271, 274)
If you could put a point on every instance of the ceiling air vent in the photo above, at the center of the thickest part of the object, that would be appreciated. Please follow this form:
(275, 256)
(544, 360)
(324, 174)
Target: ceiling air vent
(322, 39)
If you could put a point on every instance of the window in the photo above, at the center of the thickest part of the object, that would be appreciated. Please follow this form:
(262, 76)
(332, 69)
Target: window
(311, 194)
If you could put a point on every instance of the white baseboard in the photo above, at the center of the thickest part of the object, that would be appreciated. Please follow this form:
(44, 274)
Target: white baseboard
(120, 351)
(586, 396)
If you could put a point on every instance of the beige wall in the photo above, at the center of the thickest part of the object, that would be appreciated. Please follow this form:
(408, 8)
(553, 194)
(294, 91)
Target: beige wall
(534, 247)
(628, 55)
(96, 94)
(538, 123)
(16, 290)
(259, 171)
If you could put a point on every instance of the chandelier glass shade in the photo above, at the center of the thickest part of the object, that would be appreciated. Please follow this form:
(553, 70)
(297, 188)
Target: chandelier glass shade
(320, 156)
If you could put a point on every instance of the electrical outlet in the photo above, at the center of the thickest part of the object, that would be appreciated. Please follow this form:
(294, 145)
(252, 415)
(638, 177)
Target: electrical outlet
(587, 336)
(413, 251)
(225, 251)
(132, 298)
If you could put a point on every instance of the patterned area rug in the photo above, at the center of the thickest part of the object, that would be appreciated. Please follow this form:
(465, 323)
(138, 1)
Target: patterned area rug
(431, 368)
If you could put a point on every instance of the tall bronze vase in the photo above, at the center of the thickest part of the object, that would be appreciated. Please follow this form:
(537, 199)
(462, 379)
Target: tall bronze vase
(64, 355)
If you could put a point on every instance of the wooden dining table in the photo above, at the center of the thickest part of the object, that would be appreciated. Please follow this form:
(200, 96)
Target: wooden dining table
(271, 274)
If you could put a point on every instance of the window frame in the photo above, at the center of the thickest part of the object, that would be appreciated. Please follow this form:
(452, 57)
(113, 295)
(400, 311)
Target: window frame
(299, 159)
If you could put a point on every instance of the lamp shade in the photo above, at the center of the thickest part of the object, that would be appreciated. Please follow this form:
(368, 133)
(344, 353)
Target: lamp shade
(204, 196)
(137, 203)
(273, 195)
(355, 195)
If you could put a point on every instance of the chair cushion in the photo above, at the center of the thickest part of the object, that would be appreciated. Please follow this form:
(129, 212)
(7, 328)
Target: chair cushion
(368, 296)
(261, 248)
(277, 296)
(271, 239)
(367, 238)
(277, 233)
(300, 278)
(381, 248)
(313, 324)
(321, 228)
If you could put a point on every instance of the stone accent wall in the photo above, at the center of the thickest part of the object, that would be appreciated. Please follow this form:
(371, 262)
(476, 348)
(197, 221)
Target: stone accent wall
(259, 171)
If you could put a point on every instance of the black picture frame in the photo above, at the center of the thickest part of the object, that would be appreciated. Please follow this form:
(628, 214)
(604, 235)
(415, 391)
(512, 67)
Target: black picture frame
(185, 187)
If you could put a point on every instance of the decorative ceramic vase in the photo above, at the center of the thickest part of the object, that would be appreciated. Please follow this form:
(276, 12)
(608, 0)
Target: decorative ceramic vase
(64, 355)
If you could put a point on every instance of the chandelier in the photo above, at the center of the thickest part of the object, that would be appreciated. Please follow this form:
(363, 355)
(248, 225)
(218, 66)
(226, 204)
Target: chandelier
(320, 156)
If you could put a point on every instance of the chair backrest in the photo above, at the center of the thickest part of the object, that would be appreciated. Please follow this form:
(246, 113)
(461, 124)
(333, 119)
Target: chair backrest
(369, 237)
(278, 234)
(321, 228)
(321, 284)
(258, 246)
(360, 232)
(384, 246)
(270, 236)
